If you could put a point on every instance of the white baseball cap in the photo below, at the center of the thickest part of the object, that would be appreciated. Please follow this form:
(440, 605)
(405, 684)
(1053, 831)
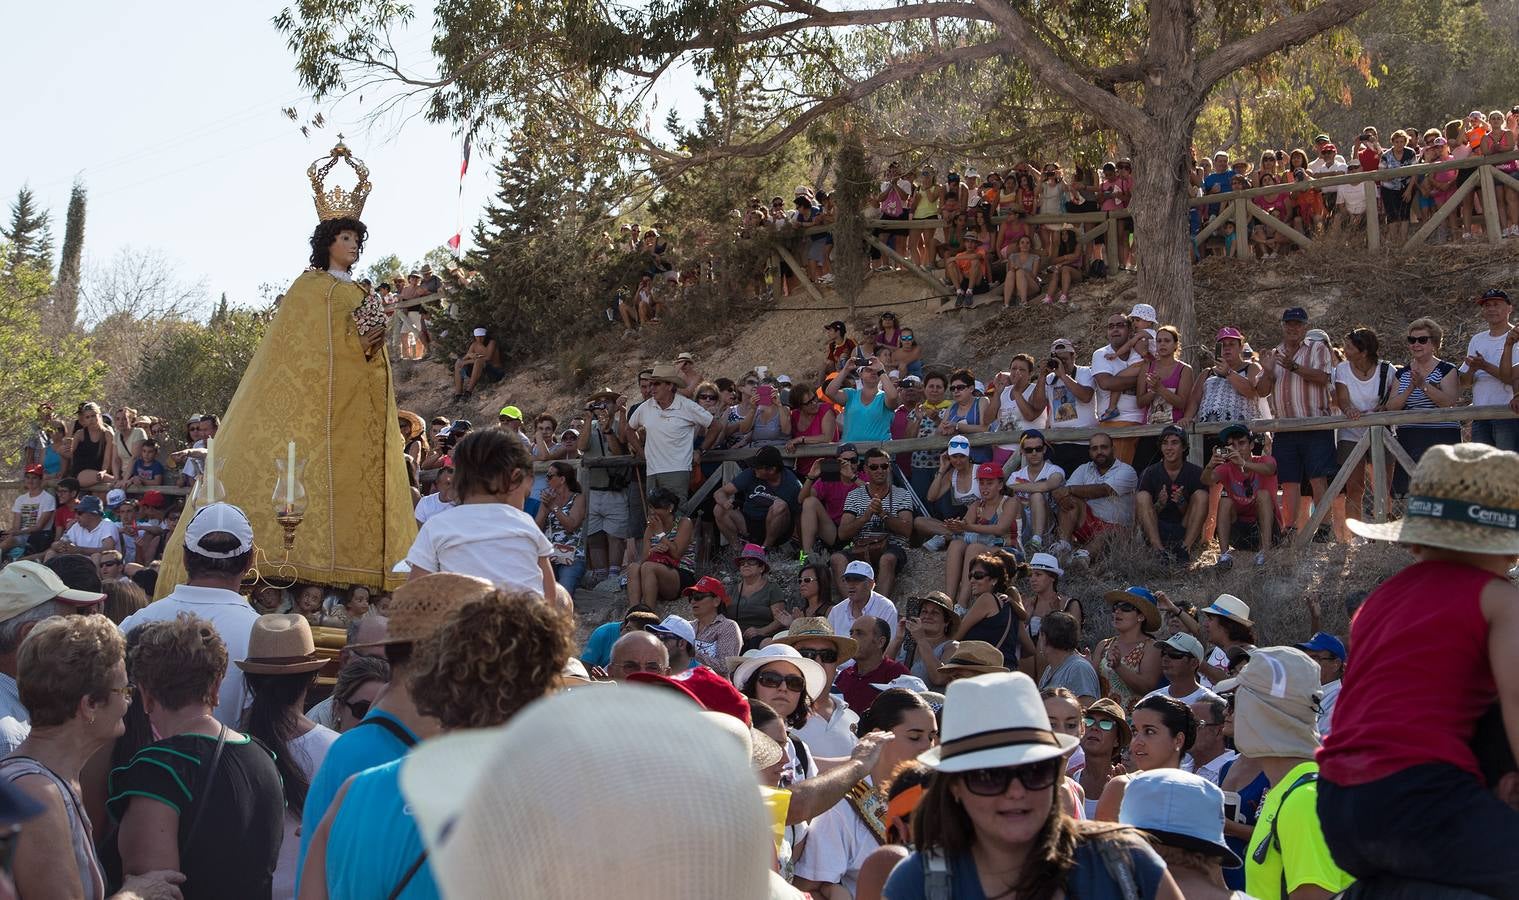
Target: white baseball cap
(1143, 311)
(479, 332)
(219, 518)
(115, 497)
(1182, 642)
(905, 682)
(674, 625)
(861, 568)
(959, 445)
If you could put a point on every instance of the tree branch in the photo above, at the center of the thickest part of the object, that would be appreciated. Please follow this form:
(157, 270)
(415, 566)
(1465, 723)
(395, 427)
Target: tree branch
(1048, 66)
(1277, 36)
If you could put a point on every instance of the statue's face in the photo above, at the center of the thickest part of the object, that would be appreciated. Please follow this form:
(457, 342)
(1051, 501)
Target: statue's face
(344, 251)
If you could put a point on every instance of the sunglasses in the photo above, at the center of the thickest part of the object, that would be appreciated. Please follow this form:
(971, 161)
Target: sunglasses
(807, 580)
(706, 396)
(775, 681)
(1034, 448)
(1099, 724)
(959, 387)
(980, 575)
(126, 691)
(1419, 339)
(993, 782)
(360, 708)
(1125, 607)
(822, 656)
(878, 467)
(1172, 654)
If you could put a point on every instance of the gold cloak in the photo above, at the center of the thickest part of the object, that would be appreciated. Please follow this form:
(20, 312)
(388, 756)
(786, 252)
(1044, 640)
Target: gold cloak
(309, 382)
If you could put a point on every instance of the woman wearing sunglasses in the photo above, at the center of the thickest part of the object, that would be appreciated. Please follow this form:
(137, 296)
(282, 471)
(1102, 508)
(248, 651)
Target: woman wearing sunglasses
(990, 812)
(814, 586)
(1164, 730)
(787, 681)
(1129, 661)
(995, 612)
(1104, 740)
(359, 684)
(1423, 384)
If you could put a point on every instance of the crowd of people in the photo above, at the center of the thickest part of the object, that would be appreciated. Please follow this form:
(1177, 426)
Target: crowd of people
(869, 749)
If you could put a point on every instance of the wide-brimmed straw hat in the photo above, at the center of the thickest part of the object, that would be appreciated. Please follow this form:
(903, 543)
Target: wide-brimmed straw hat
(1142, 599)
(975, 657)
(417, 425)
(992, 721)
(667, 373)
(419, 608)
(817, 628)
(606, 393)
(811, 671)
(499, 806)
(1230, 607)
(280, 644)
(942, 601)
(1463, 497)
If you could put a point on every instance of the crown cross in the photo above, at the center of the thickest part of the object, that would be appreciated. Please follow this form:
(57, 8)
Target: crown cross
(334, 202)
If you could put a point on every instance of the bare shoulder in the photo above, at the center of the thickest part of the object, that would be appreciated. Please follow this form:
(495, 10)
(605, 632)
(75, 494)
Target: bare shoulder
(1500, 603)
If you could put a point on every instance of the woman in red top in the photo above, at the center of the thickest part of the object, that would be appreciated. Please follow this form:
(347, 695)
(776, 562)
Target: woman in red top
(1401, 796)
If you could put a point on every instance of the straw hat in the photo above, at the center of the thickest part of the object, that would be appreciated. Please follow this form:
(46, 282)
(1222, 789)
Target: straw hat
(417, 425)
(817, 628)
(1142, 599)
(1228, 606)
(280, 644)
(1463, 497)
(995, 720)
(606, 393)
(513, 799)
(418, 608)
(810, 670)
(667, 373)
(942, 601)
(977, 657)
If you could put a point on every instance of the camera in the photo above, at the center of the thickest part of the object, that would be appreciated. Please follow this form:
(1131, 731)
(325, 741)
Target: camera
(1052, 364)
(914, 607)
(828, 470)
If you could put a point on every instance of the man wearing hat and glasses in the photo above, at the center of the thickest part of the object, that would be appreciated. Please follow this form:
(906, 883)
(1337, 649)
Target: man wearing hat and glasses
(1402, 793)
(829, 730)
(29, 593)
(663, 431)
(218, 552)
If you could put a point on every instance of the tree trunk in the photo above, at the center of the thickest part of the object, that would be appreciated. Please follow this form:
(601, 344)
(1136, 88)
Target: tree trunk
(1163, 238)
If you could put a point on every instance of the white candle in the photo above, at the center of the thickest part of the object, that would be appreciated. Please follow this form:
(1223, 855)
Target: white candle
(211, 470)
(290, 477)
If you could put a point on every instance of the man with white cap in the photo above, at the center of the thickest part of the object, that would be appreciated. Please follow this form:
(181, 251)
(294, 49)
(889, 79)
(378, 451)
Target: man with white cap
(1275, 713)
(663, 430)
(1403, 794)
(29, 593)
(861, 599)
(218, 552)
(1180, 655)
(1070, 389)
(679, 637)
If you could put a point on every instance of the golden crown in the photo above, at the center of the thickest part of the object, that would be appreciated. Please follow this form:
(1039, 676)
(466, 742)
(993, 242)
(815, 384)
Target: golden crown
(334, 202)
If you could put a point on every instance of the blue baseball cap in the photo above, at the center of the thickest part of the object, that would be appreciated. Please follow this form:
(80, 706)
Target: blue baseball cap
(1180, 810)
(1295, 314)
(90, 503)
(1324, 642)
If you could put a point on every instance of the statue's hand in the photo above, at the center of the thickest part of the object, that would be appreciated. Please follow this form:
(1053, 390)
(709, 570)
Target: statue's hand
(372, 340)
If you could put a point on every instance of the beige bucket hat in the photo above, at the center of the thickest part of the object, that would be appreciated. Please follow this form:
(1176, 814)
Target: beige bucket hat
(1463, 497)
(419, 608)
(280, 644)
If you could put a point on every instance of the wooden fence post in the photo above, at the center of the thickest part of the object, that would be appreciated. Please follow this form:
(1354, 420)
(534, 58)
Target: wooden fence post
(1242, 228)
(1490, 223)
(1378, 473)
(1112, 244)
(1373, 224)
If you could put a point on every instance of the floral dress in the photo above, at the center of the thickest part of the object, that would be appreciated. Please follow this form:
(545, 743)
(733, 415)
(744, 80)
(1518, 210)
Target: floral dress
(1118, 690)
(568, 545)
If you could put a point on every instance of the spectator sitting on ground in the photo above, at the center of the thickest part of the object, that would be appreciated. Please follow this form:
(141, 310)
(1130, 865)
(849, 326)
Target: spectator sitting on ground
(1248, 518)
(762, 504)
(860, 599)
(31, 530)
(666, 565)
(679, 638)
(1211, 754)
(1061, 665)
(91, 532)
(597, 652)
(823, 497)
(1183, 815)
(1180, 656)
(1171, 503)
(146, 469)
(1033, 487)
(877, 521)
(931, 632)
(830, 728)
(989, 522)
(638, 651)
(1164, 730)
(1096, 499)
(481, 360)
(857, 680)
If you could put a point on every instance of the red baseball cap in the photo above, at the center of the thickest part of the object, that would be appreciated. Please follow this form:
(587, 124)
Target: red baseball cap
(714, 692)
(153, 498)
(989, 470)
(707, 585)
(34, 469)
(665, 681)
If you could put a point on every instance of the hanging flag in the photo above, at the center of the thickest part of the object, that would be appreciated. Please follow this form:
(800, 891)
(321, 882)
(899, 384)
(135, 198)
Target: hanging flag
(464, 166)
(456, 242)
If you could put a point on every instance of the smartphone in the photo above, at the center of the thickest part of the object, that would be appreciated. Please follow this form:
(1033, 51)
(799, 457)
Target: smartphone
(764, 395)
(859, 355)
(828, 470)
(1231, 806)
(914, 607)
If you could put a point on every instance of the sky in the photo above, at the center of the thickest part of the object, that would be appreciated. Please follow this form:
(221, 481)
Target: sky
(170, 112)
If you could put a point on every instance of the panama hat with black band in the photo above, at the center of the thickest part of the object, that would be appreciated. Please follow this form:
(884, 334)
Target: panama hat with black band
(1463, 497)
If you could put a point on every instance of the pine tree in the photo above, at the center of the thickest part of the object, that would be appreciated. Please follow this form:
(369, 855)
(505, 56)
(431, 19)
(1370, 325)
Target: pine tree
(66, 292)
(30, 235)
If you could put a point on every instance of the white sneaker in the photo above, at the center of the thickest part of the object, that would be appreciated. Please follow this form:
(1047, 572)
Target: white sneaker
(936, 543)
(1060, 548)
(1260, 560)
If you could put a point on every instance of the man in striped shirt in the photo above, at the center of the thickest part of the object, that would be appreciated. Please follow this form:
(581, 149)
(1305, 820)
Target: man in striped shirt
(1296, 377)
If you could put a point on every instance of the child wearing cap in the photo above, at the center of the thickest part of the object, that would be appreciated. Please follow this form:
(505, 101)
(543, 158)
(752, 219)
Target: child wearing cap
(1402, 796)
(1141, 340)
(32, 511)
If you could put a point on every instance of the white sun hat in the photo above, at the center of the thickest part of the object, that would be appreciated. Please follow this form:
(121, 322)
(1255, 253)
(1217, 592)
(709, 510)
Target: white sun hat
(995, 720)
(811, 671)
(545, 806)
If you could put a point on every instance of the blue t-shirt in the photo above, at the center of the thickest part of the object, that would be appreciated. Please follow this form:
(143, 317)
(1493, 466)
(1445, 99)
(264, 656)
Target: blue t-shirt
(598, 648)
(1088, 880)
(154, 469)
(362, 747)
(866, 423)
(374, 840)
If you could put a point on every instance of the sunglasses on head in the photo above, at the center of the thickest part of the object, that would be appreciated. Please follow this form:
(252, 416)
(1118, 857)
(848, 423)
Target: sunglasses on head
(992, 782)
(1099, 724)
(775, 681)
(823, 656)
(1419, 339)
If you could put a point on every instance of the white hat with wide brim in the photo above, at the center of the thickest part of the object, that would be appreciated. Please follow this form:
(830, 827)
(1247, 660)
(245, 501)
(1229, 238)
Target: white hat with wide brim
(1462, 497)
(811, 671)
(992, 721)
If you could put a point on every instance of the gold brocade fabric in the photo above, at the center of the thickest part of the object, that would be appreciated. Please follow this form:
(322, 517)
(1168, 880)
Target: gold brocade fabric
(309, 382)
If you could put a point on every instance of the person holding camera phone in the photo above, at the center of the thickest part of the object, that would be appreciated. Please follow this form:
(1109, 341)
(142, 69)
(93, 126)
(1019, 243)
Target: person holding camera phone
(1248, 517)
(822, 498)
(869, 408)
(607, 524)
(1070, 390)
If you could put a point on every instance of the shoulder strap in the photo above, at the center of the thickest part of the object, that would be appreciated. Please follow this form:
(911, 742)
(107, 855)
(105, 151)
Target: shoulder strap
(1120, 866)
(202, 787)
(1263, 849)
(1383, 368)
(408, 875)
(937, 884)
(391, 726)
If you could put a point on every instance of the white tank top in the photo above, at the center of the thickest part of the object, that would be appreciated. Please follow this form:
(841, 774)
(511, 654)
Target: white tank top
(1009, 417)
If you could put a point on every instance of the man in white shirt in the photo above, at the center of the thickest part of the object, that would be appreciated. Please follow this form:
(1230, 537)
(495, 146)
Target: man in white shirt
(1209, 753)
(1098, 497)
(1329, 652)
(1107, 380)
(31, 515)
(29, 593)
(1328, 162)
(860, 599)
(218, 552)
(1070, 389)
(1180, 655)
(829, 731)
(664, 430)
(1489, 367)
(91, 532)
